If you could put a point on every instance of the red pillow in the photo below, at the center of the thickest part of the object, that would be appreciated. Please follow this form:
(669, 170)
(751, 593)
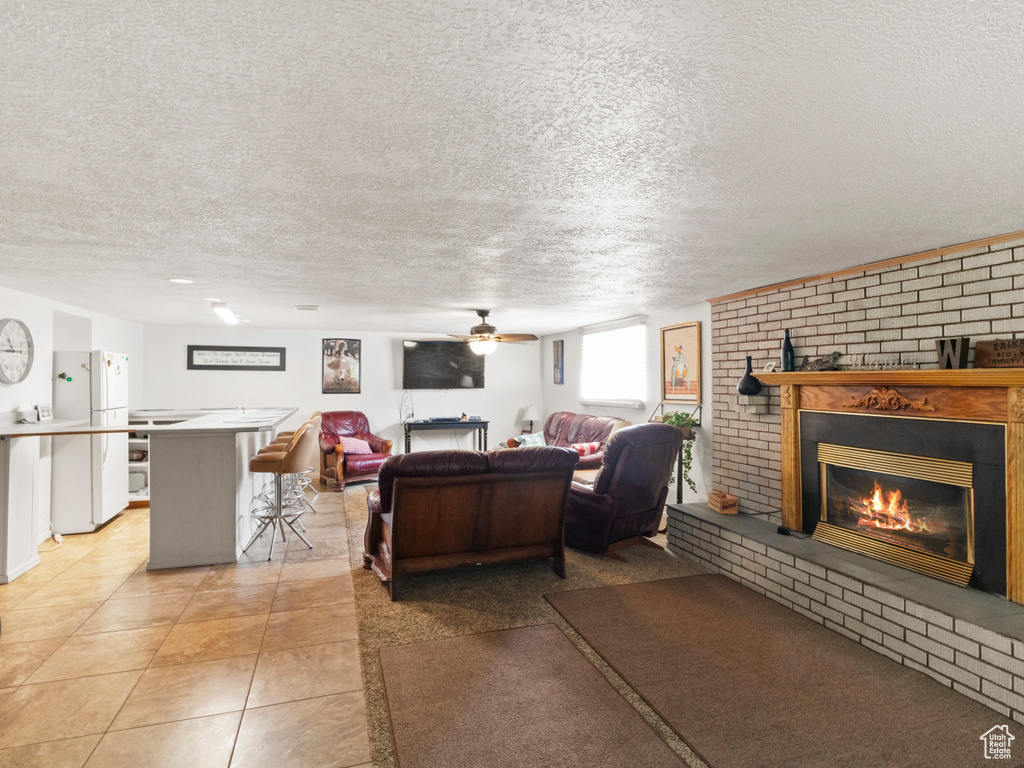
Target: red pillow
(354, 445)
(586, 449)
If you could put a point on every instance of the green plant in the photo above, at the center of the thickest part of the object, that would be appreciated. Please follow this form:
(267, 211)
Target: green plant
(685, 422)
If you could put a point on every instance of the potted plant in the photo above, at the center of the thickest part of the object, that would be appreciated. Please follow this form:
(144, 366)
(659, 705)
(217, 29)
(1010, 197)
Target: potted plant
(685, 423)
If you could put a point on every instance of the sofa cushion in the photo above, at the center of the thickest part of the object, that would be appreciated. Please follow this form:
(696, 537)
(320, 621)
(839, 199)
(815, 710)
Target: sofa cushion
(543, 458)
(427, 463)
(361, 463)
(535, 438)
(586, 449)
(564, 428)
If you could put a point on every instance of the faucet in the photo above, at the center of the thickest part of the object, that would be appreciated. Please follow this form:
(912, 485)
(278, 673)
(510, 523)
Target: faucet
(240, 408)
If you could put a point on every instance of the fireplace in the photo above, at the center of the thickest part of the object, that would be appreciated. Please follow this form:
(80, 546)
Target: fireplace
(912, 511)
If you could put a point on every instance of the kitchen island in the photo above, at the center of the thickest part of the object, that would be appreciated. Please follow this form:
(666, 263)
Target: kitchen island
(200, 487)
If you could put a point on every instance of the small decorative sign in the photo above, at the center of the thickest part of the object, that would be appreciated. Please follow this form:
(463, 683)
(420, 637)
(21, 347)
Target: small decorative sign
(210, 358)
(953, 352)
(999, 353)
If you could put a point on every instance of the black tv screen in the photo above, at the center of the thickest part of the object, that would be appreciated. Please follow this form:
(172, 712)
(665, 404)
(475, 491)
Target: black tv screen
(441, 365)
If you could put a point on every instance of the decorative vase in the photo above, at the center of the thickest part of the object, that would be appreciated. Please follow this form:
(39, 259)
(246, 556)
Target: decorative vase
(787, 353)
(748, 383)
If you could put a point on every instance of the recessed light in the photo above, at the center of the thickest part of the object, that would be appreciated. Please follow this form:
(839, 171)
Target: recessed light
(226, 313)
(210, 298)
(183, 280)
(245, 321)
(307, 307)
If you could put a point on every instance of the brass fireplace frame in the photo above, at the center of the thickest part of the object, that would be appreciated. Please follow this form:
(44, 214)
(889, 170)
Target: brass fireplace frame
(957, 473)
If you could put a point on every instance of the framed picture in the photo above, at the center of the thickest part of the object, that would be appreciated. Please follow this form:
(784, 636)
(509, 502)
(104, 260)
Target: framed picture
(210, 358)
(680, 363)
(559, 360)
(341, 366)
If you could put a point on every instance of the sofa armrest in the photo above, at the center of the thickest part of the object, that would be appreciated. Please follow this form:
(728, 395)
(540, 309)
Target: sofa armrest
(372, 535)
(593, 461)
(378, 444)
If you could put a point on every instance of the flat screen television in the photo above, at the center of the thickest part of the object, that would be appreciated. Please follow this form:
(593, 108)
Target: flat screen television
(441, 365)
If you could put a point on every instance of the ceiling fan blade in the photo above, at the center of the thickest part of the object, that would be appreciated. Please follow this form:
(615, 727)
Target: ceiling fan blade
(459, 336)
(516, 338)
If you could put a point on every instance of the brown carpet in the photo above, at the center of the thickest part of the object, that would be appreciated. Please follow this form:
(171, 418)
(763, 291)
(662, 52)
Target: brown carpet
(746, 682)
(463, 602)
(521, 698)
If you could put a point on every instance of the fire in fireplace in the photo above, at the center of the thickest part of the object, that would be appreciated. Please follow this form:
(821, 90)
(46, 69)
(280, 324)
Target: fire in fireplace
(912, 511)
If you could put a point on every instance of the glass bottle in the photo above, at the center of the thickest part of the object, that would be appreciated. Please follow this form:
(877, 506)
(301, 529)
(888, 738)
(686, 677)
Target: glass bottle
(748, 384)
(787, 353)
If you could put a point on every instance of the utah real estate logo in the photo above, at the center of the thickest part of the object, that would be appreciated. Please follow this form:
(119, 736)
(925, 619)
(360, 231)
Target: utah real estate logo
(997, 742)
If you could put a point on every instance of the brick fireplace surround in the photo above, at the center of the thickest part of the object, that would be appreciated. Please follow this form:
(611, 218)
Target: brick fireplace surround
(884, 316)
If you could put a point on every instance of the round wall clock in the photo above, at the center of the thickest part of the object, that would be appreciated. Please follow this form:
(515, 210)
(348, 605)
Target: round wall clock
(16, 351)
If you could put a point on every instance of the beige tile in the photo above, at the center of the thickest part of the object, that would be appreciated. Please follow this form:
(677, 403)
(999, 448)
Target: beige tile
(335, 548)
(223, 576)
(328, 731)
(178, 582)
(11, 595)
(4, 693)
(92, 570)
(42, 623)
(310, 626)
(43, 573)
(19, 660)
(73, 591)
(225, 603)
(135, 613)
(205, 742)
(66, 753)
(63, 709)
(187, 690)
(310, 593)
(216, 639)
(305, 673)
(101, 654)
(315, 569)
(324, 520)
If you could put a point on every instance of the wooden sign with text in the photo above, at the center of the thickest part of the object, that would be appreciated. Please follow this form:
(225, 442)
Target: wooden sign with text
(999, 353)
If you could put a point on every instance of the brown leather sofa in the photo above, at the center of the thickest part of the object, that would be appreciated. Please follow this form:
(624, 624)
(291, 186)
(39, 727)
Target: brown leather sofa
(624, 504)
(441, 509)
(563, 428)
(338, 468)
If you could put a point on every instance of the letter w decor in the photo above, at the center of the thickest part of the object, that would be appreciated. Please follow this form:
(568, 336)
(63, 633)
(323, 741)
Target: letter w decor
(953, 352)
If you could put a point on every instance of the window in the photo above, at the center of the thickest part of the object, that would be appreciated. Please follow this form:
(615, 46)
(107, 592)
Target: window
(613, 369)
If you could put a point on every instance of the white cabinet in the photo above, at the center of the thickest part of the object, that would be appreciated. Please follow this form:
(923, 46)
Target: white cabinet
(138, 464)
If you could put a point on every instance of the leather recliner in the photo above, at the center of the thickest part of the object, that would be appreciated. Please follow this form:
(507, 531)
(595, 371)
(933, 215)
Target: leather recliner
(624, 505)
(338, 468)
(564, 428)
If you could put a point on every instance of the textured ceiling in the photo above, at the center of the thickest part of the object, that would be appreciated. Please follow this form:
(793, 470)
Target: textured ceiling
(402, 161)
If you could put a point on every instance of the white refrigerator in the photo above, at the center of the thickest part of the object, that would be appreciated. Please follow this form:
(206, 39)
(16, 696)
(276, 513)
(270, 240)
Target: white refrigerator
(89, 477)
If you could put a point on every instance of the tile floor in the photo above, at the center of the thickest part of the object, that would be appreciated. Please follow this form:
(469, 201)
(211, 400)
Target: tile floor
(104, 664)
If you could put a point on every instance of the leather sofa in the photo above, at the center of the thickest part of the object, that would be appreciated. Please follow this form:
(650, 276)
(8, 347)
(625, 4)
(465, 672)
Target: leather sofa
(563, 428)
(337, 467)
(624, 505)
(442, 509)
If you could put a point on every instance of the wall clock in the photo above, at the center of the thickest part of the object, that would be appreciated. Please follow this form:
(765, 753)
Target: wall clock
(16, 351)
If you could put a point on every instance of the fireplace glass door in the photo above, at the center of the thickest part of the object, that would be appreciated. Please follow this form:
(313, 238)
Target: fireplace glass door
(913, 511)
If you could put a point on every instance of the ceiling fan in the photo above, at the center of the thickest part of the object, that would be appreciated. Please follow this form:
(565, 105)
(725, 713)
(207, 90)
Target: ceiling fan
(484, 338)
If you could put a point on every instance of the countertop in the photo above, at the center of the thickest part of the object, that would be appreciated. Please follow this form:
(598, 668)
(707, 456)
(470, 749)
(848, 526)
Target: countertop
(192, 422)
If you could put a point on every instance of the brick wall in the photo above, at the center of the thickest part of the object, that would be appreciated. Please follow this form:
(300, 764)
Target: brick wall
(889, 316)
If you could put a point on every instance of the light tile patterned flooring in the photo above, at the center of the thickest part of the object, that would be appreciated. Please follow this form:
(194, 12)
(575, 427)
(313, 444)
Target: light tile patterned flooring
(104, 664)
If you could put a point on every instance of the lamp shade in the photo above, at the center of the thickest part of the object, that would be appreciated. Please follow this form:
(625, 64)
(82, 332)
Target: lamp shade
(483, 346)
(530, 413)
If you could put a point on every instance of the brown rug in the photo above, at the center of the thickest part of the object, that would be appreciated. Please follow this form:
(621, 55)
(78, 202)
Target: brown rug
(518, 698)
(746, 682)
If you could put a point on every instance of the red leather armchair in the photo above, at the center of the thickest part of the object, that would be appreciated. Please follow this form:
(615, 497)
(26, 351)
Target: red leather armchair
(625, 502)
(338, 468)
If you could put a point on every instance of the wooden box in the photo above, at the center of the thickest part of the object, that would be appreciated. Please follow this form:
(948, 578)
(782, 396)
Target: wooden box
(723, 503)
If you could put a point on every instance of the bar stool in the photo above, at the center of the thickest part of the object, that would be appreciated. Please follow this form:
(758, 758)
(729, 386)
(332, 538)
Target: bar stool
(282, 510)
(298, 483)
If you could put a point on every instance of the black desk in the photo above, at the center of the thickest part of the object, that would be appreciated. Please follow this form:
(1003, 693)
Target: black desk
(479, 439)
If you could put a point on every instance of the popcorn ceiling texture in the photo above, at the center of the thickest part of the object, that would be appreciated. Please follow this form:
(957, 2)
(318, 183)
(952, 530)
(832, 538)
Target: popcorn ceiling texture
(398, 162)
(884, 317)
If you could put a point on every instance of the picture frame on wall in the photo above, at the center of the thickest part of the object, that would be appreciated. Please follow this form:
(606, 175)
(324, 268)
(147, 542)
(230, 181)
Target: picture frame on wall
(559, 360)
(342, 366)
(680, 363)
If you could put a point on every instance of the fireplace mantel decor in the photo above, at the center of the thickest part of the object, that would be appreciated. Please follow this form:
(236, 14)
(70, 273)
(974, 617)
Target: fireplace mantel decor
(955, 401)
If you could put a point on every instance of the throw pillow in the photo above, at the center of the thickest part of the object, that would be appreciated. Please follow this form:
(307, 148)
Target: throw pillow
(586, 449)
(354, 445)
(536, 438)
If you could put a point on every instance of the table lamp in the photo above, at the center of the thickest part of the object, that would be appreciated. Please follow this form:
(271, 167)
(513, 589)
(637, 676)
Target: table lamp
(531, 415)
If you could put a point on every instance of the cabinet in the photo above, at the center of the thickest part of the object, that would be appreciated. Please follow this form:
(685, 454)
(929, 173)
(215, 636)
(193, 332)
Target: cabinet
(138, 465)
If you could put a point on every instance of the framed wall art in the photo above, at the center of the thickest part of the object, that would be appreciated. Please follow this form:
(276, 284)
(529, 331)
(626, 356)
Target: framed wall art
(559, 361)
(341, 367)
(202, 357)
(680, 363)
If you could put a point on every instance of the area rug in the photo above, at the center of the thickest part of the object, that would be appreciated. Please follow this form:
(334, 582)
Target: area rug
(514, 698)
(463, 602)
(748, 683)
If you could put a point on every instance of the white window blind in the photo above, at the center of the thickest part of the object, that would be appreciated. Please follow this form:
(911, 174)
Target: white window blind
(613, 370)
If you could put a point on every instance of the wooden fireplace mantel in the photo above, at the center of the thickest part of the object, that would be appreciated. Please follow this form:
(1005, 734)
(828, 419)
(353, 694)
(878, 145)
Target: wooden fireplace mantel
(990, 395)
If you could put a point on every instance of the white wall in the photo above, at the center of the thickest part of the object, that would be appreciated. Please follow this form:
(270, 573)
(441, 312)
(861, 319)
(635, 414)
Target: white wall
(512, 381)
(566, 397)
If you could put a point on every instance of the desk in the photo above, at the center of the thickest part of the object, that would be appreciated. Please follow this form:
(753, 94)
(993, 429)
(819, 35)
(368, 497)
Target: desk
(479, 440)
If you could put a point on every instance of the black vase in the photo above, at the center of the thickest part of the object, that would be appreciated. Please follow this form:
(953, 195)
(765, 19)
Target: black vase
(748, 383)
(787, 353)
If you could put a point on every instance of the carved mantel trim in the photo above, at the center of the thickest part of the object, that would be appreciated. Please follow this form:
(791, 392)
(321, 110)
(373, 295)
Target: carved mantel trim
(885, 399)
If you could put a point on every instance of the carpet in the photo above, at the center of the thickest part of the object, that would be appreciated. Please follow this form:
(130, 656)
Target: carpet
(748, 683)
(515, 698)
(457, 603)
